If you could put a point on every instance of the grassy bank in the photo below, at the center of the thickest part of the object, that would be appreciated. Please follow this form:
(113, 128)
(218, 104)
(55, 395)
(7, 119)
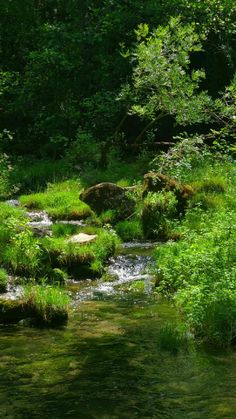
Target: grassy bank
(199, 271)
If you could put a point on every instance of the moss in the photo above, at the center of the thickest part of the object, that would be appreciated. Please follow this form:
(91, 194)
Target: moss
(157, 182)
(109, 196)
(42, 305)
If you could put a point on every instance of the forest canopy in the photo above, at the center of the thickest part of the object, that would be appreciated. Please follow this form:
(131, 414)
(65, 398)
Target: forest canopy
(104, 73)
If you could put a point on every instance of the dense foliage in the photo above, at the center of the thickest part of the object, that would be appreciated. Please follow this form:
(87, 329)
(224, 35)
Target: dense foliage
(65, 65)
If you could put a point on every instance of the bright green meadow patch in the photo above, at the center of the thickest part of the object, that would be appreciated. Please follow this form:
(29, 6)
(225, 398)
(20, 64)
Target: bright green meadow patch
(60, 200)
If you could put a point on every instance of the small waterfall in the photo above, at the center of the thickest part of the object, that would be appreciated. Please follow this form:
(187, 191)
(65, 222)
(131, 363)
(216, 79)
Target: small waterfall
(122, 269)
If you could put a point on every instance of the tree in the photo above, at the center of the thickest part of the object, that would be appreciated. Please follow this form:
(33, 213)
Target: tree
(162, 83)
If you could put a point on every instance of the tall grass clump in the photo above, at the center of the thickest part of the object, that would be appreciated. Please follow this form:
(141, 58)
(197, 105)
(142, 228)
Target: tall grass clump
(173, 338)
(129, 230)
(159, 209)
(49, 305)
(22, 254)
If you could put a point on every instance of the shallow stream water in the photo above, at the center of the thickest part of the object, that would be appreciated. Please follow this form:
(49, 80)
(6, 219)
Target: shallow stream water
(106, 363)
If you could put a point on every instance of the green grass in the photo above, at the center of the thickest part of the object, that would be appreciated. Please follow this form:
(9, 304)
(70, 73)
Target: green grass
(3, 280)
(129, 230)
(62, 230)
(22, 255)
(60, 200)
(80, 259)
(49, 304)
(173, 338)
(12, 220)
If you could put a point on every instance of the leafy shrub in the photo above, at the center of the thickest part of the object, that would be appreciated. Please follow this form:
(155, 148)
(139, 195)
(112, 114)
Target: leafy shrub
(179, 160)
(6, 189)
(11, 221)
(201, 270)
(158, 210)
(84, 150)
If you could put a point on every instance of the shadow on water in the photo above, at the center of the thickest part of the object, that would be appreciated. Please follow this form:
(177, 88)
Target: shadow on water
(107, 364)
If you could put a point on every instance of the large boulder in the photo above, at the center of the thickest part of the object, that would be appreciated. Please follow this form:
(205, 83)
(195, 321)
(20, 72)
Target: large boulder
(108, 196)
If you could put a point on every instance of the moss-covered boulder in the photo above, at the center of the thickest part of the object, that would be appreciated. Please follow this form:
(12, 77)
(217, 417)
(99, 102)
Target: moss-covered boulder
(157, 182)
(109, 196)
(13, 311)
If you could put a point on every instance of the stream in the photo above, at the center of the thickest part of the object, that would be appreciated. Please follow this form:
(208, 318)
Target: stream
(106, 363)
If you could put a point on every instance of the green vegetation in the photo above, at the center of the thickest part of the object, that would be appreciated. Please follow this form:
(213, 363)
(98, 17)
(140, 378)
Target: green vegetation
(129, 230)
(199, 270)
(3, 280)
(80, 260)
(49, 304)
(40, 304)
(173, 338)
(158, 211)
(69, 122)
(60, 200)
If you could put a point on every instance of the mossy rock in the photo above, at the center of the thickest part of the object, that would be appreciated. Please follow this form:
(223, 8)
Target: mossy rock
(109, 196)
(157, 182)
(13, 311)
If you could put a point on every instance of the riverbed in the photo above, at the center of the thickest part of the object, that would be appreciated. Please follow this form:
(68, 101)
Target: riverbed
(107, 363)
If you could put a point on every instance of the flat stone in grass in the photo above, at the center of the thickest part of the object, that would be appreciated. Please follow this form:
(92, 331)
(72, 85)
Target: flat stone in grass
(82, 238)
